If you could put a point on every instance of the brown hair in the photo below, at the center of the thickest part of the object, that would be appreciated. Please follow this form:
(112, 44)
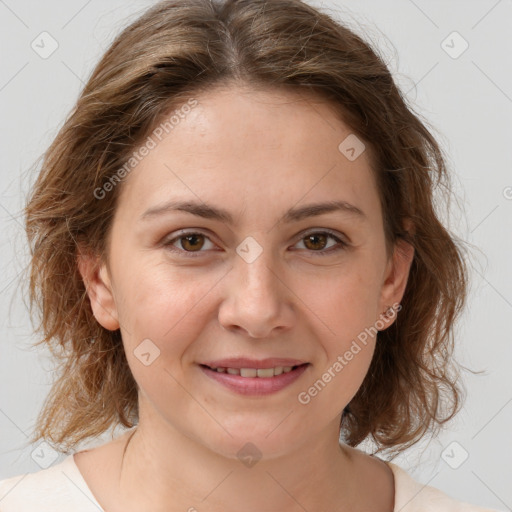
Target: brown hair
(174, 51)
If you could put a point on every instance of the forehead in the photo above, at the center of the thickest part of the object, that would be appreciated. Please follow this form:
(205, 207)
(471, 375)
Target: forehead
(252, 148)
(261, 121)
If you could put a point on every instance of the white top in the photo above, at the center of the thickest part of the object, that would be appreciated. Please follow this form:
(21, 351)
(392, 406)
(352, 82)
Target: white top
(61, 488)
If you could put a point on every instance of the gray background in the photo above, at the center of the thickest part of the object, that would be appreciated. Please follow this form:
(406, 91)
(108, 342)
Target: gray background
(468, 102)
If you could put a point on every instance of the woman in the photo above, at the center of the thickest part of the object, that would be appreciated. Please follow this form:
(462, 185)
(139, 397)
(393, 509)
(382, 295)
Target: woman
(236, 256)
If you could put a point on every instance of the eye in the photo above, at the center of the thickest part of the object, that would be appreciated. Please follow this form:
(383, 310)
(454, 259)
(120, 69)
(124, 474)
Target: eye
(189, 242)
(316, 241)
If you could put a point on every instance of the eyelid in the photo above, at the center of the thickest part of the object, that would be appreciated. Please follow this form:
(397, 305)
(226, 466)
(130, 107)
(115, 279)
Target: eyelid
(336, 234)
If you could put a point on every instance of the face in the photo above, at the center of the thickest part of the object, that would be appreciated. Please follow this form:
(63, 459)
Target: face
(247, 270)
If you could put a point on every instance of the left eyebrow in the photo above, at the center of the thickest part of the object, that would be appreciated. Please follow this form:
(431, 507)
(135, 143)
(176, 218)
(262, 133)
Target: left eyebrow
(292, 215)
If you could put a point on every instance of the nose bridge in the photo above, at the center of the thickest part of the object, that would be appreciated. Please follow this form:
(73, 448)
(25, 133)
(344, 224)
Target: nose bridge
(255, 271)
(256, 297)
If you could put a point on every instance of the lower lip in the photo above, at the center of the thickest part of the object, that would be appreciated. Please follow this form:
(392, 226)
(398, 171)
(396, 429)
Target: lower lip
(255, 385)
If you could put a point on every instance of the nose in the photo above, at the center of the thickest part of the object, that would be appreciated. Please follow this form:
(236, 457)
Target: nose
(257, 299)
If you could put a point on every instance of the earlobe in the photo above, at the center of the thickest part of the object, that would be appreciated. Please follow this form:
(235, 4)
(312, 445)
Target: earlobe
(99, 289)
(397, 274)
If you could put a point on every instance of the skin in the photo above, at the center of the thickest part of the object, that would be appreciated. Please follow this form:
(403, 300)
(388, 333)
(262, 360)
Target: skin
(256, 154)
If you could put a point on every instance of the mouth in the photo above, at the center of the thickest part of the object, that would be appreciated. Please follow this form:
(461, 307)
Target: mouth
(261, 373)
(247, 380)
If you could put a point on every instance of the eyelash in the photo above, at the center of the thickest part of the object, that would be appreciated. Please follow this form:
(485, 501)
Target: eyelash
(324, 252)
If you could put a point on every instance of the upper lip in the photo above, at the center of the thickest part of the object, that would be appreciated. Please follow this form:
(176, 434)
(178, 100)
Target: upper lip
(245, 362)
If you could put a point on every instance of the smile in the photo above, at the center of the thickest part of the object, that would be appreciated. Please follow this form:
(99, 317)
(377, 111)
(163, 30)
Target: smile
(255, 381)
(256, 372)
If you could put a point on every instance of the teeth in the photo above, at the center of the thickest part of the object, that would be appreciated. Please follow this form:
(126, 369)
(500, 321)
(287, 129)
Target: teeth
(255, 372)
(265, 372)
(250, 372)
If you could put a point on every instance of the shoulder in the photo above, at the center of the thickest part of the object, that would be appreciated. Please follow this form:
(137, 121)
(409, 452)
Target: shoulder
(59, 488)
(413, 496)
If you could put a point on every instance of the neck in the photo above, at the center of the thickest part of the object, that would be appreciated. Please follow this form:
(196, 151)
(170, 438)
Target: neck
(161, 466)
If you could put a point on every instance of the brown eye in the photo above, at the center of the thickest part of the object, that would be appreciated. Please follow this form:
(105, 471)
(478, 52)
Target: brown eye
(316, 241)
(192, 242)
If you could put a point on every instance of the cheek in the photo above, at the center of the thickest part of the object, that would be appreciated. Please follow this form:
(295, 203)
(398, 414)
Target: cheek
(348, 347)
(344, 302)
(161, 317)
(165, 306)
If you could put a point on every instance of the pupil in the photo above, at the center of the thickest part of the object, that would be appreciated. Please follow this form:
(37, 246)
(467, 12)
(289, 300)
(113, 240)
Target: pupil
(194, 239)
(309, 238)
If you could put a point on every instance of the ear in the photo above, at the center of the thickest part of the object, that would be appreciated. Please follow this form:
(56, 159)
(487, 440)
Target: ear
(396, 276)
(99, 289)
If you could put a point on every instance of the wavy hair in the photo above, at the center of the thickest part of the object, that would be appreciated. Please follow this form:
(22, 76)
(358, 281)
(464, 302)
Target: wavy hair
(172, 52)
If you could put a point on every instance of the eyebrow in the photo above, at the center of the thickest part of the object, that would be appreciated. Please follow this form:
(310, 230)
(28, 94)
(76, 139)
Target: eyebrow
(215, 213)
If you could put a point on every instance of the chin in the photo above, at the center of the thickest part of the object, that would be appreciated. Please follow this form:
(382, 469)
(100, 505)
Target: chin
(251, 444)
